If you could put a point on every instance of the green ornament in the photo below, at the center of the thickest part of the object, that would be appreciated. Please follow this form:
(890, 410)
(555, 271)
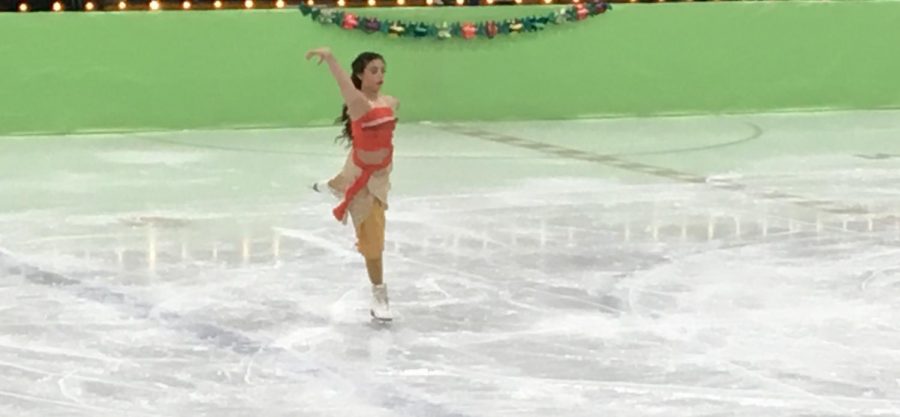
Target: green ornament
(420, 30)
(528, 24)
(516, 26)
(456, 30)
(326, 17)
(560, 17)
(397, 29)
(443, 31)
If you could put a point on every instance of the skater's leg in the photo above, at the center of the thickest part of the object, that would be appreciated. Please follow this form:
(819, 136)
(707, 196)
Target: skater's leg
(370, 240)
(370, 235)
(375, 267)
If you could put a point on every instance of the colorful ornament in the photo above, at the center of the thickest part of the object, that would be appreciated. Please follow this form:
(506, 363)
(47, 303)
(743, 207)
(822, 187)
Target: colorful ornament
(397, 29)
(326, 17)
(581, 12)
(599, 7)
(491, 29)
(371, 24)
(464, 30)
(443, 31)
(559, 17)
(528, 24)
(350, 21)
(421, 30)
(456, 30)
(410, 28)
(468, 31)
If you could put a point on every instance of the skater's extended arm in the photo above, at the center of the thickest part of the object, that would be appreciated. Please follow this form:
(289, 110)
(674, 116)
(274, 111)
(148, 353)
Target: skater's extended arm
(355, 100)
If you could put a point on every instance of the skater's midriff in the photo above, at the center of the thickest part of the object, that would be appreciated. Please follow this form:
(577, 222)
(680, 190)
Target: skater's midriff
(366, 173)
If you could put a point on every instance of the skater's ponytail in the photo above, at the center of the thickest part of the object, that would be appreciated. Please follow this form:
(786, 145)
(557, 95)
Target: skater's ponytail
(358, 66)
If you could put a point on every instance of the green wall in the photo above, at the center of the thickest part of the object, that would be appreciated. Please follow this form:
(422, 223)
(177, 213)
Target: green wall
(179, 70)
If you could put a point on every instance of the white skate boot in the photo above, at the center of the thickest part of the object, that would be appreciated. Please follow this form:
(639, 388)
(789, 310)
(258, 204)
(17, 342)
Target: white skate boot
(381, 309)
(323, 187)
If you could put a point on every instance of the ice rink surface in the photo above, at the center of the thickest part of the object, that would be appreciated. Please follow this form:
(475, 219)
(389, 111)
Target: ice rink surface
(689, 266)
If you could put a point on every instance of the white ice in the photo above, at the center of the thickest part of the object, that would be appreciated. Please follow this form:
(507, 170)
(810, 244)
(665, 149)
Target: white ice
(698, 266)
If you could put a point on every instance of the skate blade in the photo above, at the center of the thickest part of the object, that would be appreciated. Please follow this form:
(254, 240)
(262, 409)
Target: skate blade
(380, 319)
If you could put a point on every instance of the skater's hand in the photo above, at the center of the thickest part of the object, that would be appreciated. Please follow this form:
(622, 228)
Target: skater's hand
(321, 53)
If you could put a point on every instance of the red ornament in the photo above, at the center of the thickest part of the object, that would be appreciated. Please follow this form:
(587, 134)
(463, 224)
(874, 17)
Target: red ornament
(350, 21)
(582, 12)
(469, 30)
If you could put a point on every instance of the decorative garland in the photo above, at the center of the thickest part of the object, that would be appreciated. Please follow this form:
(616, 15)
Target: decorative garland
(465, 30)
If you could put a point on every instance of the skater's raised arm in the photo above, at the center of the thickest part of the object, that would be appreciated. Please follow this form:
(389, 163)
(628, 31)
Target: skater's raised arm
(354, 99)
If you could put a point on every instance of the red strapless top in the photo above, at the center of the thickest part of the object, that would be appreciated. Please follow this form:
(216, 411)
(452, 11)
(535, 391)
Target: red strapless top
(371, 133)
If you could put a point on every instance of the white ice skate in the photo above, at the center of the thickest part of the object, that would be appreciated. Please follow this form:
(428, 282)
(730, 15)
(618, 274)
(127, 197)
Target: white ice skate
(381, 309)
(323, 187)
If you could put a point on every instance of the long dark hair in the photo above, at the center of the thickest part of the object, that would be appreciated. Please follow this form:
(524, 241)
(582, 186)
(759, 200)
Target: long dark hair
(358, 66)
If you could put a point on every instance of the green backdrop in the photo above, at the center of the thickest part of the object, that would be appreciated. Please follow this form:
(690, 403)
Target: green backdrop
(79, 72)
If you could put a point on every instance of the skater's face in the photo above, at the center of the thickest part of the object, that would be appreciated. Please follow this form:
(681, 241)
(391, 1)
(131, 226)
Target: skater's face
(372, 75)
